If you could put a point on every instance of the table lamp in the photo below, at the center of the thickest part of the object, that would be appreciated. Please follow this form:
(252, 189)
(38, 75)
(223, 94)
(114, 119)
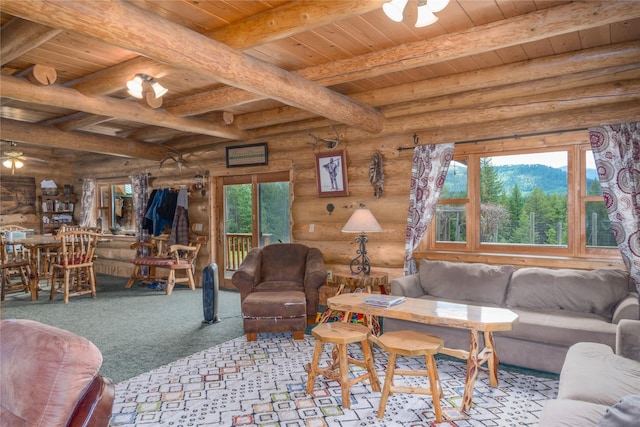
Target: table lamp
(361, 221)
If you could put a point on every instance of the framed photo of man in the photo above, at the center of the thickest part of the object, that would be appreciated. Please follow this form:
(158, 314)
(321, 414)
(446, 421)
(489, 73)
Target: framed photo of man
(331, 174)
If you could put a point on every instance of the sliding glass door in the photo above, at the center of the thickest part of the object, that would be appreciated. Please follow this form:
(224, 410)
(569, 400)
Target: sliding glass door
(256, 212)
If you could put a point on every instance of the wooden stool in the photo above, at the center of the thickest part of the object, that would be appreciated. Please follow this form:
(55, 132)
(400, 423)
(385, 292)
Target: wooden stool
(341, 334)
(411, 343)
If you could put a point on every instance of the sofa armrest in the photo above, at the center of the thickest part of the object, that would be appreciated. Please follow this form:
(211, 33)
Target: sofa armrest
(628, 308)
(408, 286)
(628, 339)
(247, 276)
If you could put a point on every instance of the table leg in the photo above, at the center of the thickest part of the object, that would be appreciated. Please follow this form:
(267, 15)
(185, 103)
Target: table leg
(492, 361)
(473, 365)
(34, 277)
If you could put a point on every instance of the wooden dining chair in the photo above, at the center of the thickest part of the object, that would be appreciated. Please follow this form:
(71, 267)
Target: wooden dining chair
(14, 268)
(180, 258)
(74, 263)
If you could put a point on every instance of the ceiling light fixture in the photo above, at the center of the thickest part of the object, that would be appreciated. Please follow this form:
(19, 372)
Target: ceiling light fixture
(145, 86)
(12, 159)
(394, 10)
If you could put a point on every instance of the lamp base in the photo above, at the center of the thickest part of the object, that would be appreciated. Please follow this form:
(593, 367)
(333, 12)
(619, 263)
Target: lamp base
(360, 264)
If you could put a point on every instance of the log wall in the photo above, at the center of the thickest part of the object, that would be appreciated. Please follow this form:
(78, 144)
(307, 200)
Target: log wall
(290, 150)
(58, 171)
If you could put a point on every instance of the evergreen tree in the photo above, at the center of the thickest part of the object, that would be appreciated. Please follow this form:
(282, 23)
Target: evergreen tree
(490, 184)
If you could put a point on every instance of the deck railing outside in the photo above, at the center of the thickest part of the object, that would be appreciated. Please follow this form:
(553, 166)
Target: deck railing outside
(238, 245)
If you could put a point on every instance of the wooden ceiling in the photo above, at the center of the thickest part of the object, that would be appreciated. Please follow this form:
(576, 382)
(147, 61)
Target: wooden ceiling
(287, 66)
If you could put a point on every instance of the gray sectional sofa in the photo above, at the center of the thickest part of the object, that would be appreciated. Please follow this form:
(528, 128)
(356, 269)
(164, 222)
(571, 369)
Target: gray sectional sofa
(597, 386)
(556, 308)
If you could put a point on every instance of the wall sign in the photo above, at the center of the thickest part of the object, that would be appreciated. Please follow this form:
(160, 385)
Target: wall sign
(247, 155)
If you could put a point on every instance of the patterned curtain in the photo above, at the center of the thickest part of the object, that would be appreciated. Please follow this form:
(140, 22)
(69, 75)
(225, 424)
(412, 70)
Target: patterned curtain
(87, 217)
(140, 190)
(428, 172)
(616, 150)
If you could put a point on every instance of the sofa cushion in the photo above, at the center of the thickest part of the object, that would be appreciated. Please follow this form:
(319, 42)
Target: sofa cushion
(561, 327)
(57, 365)
(625, 413)
(472, 282)
(593, 373)
(570, 413)
(594, 291)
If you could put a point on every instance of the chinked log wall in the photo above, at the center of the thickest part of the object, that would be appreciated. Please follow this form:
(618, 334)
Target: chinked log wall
(386, 249)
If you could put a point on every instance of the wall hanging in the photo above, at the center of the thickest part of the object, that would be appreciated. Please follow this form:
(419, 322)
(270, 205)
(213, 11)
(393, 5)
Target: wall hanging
(331, 174)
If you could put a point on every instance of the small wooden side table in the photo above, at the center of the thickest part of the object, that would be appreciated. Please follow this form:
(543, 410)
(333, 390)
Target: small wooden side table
(356, 283)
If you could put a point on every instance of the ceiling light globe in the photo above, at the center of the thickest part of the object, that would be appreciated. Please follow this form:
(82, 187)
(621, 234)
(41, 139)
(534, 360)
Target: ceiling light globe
(18, 164)
(394, 9)
(425, 17)
(158, 89)
(7, 163)
(134, 87)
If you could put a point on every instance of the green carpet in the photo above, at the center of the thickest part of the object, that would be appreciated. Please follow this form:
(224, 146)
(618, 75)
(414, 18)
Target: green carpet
(137, 329)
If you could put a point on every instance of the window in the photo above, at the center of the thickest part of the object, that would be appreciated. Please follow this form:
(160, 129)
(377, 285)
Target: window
(115, 207)
(507, 197)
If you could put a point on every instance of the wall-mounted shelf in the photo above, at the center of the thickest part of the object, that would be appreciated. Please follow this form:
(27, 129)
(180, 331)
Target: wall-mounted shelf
(56, 211)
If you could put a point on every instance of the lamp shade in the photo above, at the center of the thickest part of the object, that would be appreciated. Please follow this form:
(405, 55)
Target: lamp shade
(362, 221)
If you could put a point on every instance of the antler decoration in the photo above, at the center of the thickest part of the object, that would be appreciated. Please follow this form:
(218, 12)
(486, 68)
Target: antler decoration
(176, 156)
(330, 143)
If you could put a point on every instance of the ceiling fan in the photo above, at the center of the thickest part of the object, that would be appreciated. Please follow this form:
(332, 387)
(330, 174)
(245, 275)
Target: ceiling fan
(14, 159)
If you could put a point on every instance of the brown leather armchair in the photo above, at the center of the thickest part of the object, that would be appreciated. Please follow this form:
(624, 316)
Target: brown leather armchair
(49, 377)
(279, 288)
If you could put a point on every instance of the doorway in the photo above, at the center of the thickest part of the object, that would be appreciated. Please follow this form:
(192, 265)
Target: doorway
(255, 212)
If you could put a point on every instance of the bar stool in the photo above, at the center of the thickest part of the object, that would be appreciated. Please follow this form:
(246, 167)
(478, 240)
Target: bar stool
(411, 343)
(342, 334)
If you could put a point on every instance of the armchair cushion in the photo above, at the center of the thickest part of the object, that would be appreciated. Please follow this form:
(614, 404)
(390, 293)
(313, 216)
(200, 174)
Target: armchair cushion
(282, 267)
(45, 374)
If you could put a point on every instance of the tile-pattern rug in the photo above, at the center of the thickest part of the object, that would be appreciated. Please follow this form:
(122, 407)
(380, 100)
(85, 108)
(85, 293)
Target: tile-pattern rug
(262, 383)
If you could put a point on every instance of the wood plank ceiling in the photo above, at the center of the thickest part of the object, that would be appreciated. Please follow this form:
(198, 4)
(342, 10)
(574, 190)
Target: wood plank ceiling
(284, 66)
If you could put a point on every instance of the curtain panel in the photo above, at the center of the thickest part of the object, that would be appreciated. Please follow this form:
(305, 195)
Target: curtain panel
(616, 151)
(428, 174)
(87, 206)
(140, 193)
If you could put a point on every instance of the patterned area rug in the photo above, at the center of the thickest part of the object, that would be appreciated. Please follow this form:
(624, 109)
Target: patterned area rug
(262, 383)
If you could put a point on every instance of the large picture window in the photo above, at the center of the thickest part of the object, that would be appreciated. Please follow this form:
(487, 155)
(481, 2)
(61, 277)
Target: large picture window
(511, 197)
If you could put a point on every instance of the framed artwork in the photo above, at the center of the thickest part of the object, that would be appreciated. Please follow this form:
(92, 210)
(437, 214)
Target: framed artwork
(17, 195)
(247, 155)
(331, 174)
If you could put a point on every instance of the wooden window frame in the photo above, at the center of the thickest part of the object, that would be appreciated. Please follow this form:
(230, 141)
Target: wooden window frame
(576, 254)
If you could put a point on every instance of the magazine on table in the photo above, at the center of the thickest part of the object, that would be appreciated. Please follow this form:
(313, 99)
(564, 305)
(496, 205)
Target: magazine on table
(382, 300)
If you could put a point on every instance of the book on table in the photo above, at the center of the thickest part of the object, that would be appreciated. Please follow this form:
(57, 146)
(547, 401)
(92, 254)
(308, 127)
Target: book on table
(382, 300)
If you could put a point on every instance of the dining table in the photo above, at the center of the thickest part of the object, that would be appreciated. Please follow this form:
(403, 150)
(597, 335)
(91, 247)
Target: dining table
(42, 247)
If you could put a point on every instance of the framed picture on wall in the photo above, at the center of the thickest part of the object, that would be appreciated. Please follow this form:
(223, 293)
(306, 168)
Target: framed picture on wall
(331, 174)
